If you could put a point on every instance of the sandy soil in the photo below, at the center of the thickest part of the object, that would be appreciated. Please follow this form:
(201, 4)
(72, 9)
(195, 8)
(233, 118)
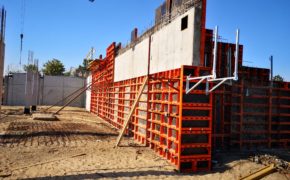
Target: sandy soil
(80, 146)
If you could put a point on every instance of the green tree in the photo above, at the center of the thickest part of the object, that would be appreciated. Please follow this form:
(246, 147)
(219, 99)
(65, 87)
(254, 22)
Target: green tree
(53, 67)
(86, 63)
(278, 78)
(67, 73)
(82, 70)
(30, 67)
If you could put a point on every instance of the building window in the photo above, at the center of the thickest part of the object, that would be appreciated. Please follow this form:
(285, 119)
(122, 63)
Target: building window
(184, 23)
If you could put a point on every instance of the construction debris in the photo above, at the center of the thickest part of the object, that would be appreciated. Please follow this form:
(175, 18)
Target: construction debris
(272, 164)
(279, 164)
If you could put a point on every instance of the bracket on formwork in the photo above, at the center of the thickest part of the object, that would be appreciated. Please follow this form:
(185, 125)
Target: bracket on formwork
(202, 78)
(235, 75)
(212, 77)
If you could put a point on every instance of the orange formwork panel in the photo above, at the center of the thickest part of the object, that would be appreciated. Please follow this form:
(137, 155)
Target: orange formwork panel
(163, 108)
(195, 124)
(250, 113)
(187, 128)
(168, 121)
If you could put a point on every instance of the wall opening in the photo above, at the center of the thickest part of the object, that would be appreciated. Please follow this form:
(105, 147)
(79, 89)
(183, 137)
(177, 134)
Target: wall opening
(184, 23)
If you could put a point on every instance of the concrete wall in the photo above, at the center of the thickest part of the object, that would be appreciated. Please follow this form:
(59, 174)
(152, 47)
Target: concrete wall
(31, 85)
(56, 88)
(170, 46)
(14, 93)
(88, 94)
(51, 90)
(133, 63)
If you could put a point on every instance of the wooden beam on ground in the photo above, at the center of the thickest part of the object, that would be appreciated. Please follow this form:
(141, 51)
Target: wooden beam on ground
(126, 122)
(260, 173)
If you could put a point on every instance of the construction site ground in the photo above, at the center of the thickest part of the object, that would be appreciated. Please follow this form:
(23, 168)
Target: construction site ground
(81, 146)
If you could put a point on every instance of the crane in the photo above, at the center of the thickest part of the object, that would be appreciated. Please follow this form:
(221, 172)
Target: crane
(91, 53)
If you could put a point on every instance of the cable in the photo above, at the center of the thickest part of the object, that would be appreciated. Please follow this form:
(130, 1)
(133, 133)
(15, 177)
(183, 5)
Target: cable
(22, 18)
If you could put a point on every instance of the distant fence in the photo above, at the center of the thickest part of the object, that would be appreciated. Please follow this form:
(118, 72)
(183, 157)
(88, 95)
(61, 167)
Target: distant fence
(47, 90)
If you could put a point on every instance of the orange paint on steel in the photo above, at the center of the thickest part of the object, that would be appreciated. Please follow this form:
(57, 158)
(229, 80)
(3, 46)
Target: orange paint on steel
(203, 33)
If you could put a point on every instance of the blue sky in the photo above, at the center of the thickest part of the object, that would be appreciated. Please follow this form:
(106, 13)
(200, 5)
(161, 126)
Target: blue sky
(67, 29)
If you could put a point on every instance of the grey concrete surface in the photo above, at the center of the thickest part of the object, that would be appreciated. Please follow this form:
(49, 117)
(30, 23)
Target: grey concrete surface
(47, 90)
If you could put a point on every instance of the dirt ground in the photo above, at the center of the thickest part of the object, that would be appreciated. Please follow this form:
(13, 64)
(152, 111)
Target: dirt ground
(80, 146)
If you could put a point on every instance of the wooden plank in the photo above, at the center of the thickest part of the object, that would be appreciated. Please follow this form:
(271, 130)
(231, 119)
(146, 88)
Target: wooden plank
(126, 122)
(260, 173)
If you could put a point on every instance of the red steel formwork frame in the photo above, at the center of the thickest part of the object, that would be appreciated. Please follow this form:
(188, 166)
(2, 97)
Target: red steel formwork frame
(196, 124)
(249, 113)
(203, 33)
(187, 128)
(175, 125)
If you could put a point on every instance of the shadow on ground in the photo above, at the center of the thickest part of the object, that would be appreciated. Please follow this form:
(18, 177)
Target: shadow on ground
(123, 174)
